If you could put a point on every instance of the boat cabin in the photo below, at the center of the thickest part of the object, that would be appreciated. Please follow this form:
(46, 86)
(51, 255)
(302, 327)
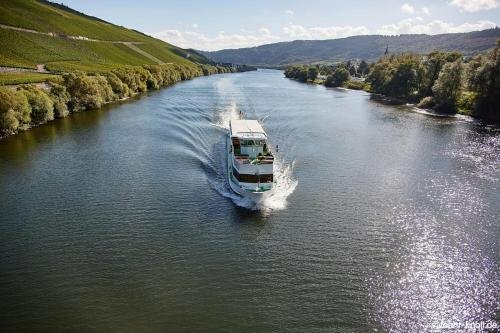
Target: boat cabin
(249, 141)
(252, 161)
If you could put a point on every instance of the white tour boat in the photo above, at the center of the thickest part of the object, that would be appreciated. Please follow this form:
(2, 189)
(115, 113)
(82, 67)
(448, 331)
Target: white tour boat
(249, 160)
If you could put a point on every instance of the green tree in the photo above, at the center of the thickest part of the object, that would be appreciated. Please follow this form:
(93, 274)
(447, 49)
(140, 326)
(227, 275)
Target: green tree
(338, 78)
(432, 65)
(484, 80)
(84, 91)
(299, 73)
(156, 79)
(105, 89)
(363, 68)
(397, 76)
(120, 89)
(132, 78)
(42, 107)
(352, 70)
(379, 76)
(14, 110)
(312, 73)
(447, 88)
(60, 98)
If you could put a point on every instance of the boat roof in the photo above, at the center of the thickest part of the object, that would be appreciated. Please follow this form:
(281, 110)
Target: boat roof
(247, 129)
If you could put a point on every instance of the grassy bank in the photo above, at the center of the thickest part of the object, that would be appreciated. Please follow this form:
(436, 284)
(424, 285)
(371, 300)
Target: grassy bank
(8, 78)
(28, 105)
(91, 62)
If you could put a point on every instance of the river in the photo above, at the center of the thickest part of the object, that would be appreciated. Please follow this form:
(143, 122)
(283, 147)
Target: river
(121, 219)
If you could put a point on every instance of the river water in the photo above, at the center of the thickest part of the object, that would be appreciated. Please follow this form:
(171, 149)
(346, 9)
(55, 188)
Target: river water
(121, 219)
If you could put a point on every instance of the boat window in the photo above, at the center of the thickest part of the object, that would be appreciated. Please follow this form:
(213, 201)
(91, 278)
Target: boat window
(247, 143)
(259, 143)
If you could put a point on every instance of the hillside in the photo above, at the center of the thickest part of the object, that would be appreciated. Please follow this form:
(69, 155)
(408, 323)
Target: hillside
(358, 47)
(80, 63)
(40, 32)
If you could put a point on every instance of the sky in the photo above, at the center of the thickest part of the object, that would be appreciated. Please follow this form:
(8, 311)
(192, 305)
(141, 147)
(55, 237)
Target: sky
(221, 24)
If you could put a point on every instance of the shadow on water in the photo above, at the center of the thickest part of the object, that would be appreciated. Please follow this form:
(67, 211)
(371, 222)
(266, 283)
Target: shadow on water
(379, 100)
(16, 148)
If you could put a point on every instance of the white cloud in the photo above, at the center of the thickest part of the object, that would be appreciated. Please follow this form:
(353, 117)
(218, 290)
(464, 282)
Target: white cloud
(248, 38)
(475, 5)
(415, 26)
(200, 41)
(289, 12)
(264, 31)
(295, 31)
(408, 9)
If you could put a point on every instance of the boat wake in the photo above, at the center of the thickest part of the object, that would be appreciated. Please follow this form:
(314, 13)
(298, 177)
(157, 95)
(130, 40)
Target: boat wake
(285, 182)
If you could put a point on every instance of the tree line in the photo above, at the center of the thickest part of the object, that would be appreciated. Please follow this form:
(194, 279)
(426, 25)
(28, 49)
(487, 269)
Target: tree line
(347, 74)
(30, 105)
(444, 81)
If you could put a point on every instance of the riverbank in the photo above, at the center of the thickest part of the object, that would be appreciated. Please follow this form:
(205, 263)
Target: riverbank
(388, 100)
(26, 106)
(443, 82)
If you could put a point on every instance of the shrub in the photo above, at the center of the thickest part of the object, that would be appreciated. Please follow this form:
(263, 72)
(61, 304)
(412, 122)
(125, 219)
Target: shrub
(8, 122)
(133, 79)
(105, 90)
(156, 78)
(60, 98)
(85, 92)
(171, 76)
(208, 70)
(143, 77)
(14, 110)
(42, 108)
(356, 85)
(120, 89)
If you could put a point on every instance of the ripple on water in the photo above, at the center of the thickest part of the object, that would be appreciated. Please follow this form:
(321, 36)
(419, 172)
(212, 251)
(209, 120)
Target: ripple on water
(443, 275)
(478, 153)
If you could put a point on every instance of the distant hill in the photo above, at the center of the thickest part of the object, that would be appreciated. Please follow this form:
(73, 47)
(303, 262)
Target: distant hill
(41, 32)
(369, 47)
